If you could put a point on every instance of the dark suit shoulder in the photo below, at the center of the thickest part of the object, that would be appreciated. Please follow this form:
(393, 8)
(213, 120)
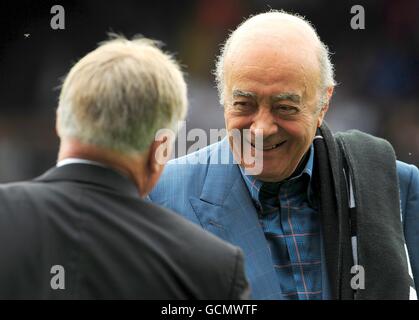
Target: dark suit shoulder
(203, 252)
(121, 245)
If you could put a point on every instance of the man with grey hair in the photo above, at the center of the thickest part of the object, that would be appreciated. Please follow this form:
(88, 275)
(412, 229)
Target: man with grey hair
(322, 219)
(82, 230)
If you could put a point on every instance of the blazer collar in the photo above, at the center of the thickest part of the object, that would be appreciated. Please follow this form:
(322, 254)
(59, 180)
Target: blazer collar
(91, 174)
(222, 173)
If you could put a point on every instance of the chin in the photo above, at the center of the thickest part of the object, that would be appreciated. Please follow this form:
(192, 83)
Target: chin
(273, 173)
(271, 176)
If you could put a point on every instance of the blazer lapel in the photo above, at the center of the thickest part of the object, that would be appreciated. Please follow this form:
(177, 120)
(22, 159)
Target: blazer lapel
(225, 209)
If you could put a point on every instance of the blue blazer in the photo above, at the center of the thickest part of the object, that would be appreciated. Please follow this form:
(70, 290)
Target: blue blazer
(216, 198)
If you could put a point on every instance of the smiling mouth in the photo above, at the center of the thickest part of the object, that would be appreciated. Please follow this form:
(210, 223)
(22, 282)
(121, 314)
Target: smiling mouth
(271, 147)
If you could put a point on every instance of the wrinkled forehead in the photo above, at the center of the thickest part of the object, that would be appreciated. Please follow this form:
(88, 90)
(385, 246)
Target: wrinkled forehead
(275, 45)
(261, 63)
(270, 52)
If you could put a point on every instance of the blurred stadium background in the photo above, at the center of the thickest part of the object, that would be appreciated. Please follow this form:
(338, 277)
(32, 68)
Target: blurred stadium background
(377, 68)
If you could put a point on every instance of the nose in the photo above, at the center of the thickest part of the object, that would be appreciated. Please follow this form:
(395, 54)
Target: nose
(265, 121)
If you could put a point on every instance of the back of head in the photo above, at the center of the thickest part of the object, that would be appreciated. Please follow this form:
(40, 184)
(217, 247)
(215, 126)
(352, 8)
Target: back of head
(119, 95)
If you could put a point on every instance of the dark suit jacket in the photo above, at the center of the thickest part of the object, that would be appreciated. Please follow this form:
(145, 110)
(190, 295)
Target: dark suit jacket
(111, 244)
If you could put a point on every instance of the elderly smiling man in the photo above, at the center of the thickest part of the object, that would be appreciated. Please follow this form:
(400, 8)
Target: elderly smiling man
(322, 219)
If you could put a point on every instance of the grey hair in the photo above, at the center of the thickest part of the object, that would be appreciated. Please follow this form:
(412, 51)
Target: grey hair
(119, 95)
(325, 63)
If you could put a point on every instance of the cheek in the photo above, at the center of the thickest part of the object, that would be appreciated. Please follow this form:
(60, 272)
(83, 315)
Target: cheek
(298, 129)
(236, 122)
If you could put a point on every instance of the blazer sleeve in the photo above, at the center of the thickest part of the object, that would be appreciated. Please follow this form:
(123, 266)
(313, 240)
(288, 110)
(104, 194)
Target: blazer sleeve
(409, 194)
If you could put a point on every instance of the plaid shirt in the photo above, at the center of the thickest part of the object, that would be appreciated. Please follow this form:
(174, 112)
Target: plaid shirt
(290, 220)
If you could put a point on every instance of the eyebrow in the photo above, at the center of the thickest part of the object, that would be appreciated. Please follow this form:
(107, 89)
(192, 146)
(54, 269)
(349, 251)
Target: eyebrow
(286, 96)
(245, 94)
(275, 98)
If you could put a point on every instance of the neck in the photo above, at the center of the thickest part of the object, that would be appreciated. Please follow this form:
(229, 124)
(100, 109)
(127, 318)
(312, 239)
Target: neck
(301, 165)
(129, 166)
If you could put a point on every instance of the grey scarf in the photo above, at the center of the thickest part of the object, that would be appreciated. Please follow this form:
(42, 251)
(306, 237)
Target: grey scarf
(356, 179)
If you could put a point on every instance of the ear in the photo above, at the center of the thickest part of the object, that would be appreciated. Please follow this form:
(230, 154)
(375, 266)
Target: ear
(57, 120)
(159, 153)
(325, 107)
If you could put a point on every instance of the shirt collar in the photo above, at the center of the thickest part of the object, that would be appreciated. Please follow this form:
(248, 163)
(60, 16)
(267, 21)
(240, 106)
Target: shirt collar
(68, 161)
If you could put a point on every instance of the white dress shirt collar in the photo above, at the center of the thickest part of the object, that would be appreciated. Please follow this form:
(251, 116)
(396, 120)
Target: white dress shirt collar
(67, 161)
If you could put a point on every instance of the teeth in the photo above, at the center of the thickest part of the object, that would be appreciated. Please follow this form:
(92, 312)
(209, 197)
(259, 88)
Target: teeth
(268, 148)
(272, 147)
